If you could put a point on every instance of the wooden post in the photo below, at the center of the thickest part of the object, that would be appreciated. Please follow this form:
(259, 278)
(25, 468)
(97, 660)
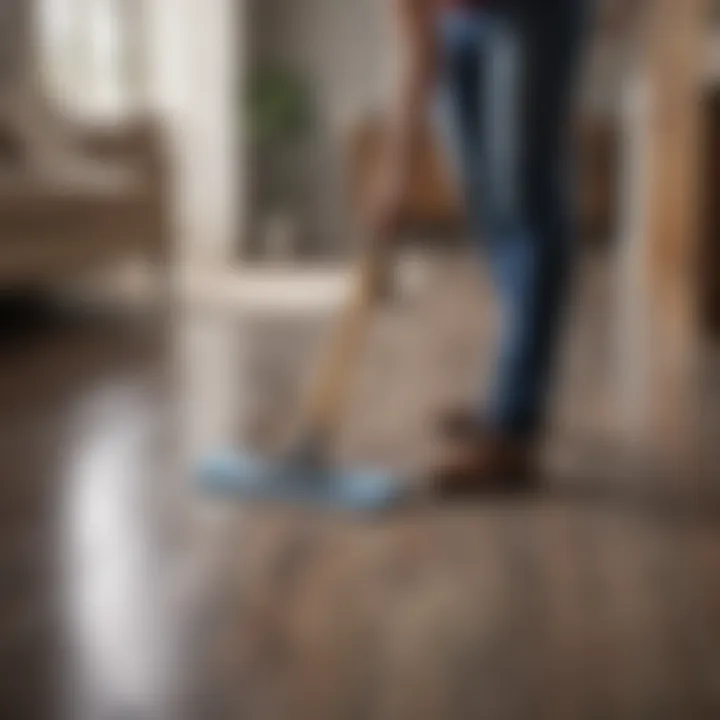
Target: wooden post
(660, 302)
(675, 51)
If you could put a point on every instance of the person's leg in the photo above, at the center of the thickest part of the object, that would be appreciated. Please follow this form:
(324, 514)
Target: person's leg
(533, 54)
(510, 110)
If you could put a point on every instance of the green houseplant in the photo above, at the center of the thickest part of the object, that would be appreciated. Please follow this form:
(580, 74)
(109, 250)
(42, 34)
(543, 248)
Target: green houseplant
(280, 115)
(279, 107)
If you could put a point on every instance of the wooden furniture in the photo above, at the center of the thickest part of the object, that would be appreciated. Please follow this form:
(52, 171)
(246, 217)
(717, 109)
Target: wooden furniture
(52, 230)
(598, 171)
(435, 204)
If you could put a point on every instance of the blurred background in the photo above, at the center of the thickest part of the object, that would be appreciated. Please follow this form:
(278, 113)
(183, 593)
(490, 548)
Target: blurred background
(180, 186)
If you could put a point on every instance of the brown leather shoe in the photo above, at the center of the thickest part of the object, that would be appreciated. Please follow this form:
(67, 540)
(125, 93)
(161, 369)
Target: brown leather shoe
(486, 464)
(459, 423)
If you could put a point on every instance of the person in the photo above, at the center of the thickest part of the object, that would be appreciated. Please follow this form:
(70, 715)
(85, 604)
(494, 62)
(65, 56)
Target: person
(504, 73)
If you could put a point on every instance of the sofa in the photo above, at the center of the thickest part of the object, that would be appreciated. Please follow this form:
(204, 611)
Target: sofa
(54, 227)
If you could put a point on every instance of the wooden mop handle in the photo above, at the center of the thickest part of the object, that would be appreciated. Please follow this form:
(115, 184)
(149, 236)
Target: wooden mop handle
(328, 396)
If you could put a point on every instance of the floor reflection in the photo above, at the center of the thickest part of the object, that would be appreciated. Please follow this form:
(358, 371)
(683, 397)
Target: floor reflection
(114, 590)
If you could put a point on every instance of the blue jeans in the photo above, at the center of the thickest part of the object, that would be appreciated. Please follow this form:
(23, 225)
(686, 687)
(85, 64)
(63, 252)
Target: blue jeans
(507, 90)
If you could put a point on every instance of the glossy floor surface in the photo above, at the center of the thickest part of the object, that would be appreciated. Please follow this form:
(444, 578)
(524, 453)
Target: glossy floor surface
(126, 594)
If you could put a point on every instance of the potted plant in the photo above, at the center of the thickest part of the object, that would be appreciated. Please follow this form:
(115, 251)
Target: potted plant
(280, 118)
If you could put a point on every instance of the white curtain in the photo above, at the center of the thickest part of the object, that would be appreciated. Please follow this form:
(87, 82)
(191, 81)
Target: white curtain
(92, 55)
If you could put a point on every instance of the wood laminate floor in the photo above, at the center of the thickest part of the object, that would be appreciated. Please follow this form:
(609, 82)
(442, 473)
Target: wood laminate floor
(126, 594)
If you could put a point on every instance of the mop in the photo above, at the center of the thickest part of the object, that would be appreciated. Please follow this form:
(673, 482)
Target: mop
(304, 474)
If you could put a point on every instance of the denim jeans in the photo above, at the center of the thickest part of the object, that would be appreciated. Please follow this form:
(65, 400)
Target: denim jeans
(507, 88)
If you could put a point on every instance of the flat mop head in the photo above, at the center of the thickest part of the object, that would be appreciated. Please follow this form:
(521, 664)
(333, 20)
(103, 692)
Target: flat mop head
(305, 476)
(300, 482)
